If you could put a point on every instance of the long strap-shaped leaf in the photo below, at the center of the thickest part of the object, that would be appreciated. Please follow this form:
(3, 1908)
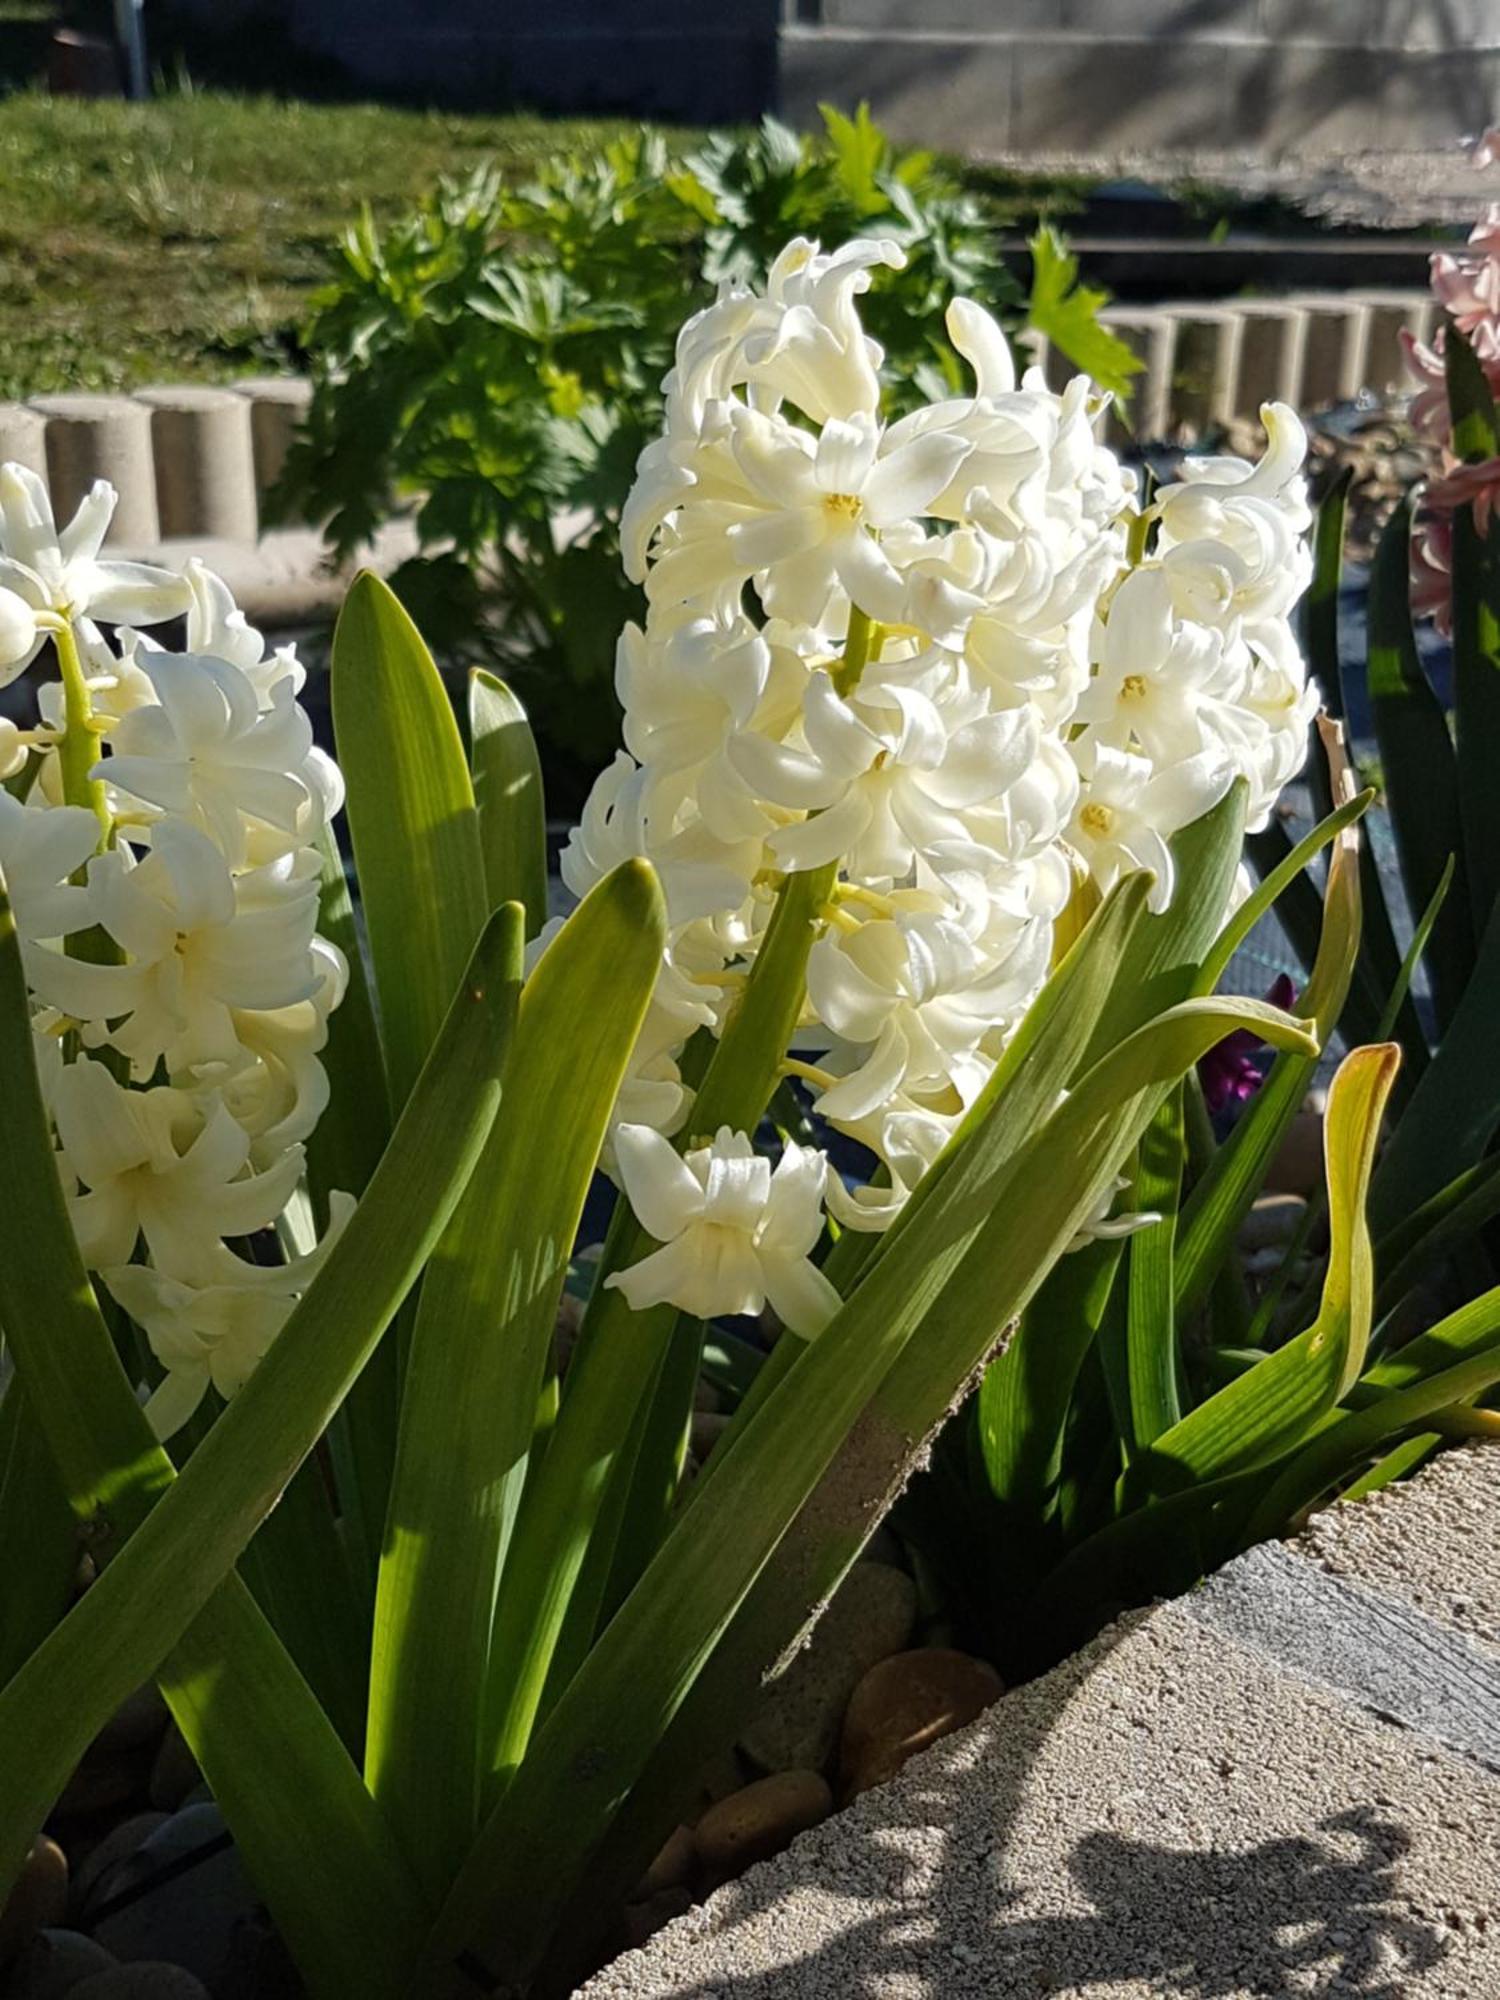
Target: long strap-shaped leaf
(1261, 1414)
(1476, 633)
(411, 817)
(1223, 1197)
(508, 794)
(477, 1358)
(617, 1357)
(600, 1735)
(1420, 769)
(311, 1836)
(1129, 962)
(185, 1548)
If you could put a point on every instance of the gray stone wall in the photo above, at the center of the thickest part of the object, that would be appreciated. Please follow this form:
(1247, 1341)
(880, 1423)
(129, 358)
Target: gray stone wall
(1282, 76)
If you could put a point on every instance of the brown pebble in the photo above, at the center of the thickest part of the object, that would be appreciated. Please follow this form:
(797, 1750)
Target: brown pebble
(673, 1867)
(643, 1920)
(142, 1979)
(174, 1773)
(760, 1821)
(38, 1900)
(905, 1703)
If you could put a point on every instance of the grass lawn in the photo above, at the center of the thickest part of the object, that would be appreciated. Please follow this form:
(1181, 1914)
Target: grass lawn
(179, 240)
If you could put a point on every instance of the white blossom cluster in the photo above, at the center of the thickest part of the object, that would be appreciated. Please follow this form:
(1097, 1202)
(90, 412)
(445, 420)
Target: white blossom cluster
(949, 661)
(169, 934)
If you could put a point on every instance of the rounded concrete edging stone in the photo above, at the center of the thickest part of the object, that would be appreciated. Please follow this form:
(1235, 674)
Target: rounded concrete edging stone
(1283, 1783)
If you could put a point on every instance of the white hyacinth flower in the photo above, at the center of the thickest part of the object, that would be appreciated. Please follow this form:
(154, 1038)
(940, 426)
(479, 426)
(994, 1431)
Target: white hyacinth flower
(199, 942)
(735, 1234)
(160, 1165)
(61, 570)
(40, 850)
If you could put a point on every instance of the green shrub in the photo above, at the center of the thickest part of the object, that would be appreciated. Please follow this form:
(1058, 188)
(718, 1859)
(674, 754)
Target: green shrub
(496, 358)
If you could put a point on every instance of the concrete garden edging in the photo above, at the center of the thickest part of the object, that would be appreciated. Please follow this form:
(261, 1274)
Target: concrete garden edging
(1286, 1782)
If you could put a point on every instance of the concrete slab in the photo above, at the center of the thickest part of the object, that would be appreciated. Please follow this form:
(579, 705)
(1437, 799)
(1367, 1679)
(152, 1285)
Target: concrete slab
(1167, 1814)
(1434, 1542)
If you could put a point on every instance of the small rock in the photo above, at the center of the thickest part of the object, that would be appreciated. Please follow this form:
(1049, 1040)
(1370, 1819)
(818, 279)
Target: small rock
(183, 1894)
(725, 1775)
(39, 1898)
(1298, 1165)
(174, 1773)
(1273, 1221)
(795, 1723)
(146, 1979)
(673, 1868)
(139, 1721)
(643, 1920)
(117, 1845)
(760, 1821)
(906, 1703)
(54, 1963)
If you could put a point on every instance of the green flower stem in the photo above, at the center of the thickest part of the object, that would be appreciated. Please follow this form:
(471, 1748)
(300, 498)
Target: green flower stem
(542, 1608)
(78, 752)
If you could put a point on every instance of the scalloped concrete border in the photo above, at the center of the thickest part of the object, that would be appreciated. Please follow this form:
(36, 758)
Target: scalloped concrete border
(1284, 1783)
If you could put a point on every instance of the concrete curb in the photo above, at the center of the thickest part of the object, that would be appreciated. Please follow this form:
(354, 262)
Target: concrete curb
(1284, 1783)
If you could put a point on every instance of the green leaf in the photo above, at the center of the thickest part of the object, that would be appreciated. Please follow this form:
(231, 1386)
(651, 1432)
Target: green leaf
(1330, 1456)
(1067, 313)
(1273, 885)
(1451, 1220)
(342, 1153)
(1229, 1184)
(508, 793)
(617, 1356)
(1015, 1220)
(39, 1546)
(1024, 1399)
(1420, 770)
(184, 1549)
(1455, 1110)
(1127, 962)
(1476, 634)
(479, 1351)
(1263, 1413)
(310, 1835)
(1151, 1320)
(1320, 616)
(411, 818)
(860, 148)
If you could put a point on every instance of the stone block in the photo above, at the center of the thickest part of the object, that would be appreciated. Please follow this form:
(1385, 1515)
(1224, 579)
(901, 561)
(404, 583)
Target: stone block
(1152, 337)
(23, 437)
(205, 464)
(1338, 343)
(1205, 368)
(278, 404)
(1273, 348)
(103, 437)
(1391, 314)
